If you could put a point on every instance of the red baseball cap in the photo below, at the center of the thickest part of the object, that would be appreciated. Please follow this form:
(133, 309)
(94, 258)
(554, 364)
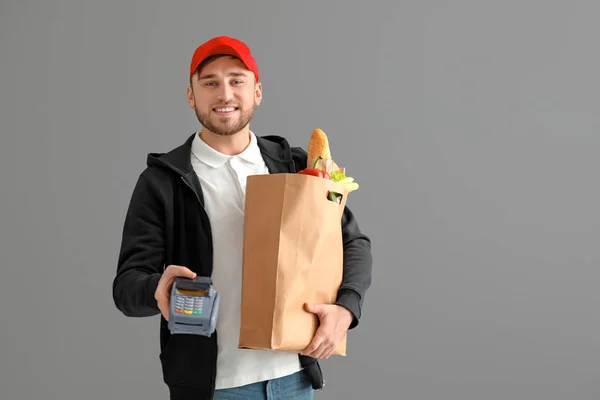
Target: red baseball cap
(224, 45)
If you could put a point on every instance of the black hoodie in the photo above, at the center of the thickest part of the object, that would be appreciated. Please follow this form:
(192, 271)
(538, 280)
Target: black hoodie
(166, 224)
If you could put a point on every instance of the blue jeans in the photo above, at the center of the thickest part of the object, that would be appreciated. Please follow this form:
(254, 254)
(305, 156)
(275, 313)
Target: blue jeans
(291, 387)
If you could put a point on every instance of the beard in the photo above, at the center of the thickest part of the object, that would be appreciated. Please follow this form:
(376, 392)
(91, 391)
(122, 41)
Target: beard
(225, 126)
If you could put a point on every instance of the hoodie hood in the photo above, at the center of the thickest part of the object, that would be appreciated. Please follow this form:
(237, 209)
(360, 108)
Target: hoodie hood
(276, 152)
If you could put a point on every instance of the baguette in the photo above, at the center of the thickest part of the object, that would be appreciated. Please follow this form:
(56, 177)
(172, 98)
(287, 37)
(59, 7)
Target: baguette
(318, 146)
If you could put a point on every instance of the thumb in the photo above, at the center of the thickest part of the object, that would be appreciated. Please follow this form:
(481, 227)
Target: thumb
(186, 273)
(191, 274)
(178, 270)
(313, 308)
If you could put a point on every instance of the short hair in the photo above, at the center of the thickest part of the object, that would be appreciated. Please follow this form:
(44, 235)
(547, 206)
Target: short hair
(208, 60)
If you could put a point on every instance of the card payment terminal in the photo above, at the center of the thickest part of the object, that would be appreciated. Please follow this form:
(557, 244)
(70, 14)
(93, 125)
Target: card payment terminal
(194, 306)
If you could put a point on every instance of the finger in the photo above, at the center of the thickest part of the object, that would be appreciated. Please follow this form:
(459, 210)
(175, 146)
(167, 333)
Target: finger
(326, 348)
(329, 353)
(309, 307)
(178, 270)
(321, 335)
(321, 351)
(320, 345)
(317, 309)
(161, 294)
(168, 277)
(326, 344)
(314, 344)
(163, 306)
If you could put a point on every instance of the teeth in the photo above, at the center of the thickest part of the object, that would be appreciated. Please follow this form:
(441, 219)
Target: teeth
(225, 109)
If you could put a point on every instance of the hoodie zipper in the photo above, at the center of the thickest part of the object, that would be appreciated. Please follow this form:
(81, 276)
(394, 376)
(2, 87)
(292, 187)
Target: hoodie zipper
(192, 189)
(214, 368)
(209, 228)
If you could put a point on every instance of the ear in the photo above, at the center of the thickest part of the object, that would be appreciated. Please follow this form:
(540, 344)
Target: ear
(257, 93)
(190, 97)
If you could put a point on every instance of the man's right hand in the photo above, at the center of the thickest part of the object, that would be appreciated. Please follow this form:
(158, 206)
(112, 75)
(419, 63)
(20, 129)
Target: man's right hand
(163, 290)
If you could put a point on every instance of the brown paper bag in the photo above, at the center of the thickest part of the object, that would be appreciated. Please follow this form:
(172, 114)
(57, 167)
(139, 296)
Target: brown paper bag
(292, 255)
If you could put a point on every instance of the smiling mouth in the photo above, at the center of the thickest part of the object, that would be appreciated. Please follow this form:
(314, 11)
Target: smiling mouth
(225, 110)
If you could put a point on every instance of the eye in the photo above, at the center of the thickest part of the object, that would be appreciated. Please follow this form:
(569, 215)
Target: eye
(238, 82)
(210, 83)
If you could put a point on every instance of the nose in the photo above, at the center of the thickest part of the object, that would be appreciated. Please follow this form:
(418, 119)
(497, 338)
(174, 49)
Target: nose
(225, 93)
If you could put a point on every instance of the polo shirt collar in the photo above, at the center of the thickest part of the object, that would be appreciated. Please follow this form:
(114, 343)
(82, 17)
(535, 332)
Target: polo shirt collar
(215, 159)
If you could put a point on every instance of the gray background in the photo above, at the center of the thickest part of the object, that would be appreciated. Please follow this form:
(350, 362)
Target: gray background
(472, 127)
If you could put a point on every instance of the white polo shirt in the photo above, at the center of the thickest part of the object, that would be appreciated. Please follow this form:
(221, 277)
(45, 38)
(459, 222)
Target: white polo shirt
(223, 180)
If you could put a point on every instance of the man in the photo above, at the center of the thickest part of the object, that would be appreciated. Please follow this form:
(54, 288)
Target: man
(185, 219)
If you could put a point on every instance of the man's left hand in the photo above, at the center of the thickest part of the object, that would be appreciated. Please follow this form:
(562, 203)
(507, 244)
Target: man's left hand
(334, 322)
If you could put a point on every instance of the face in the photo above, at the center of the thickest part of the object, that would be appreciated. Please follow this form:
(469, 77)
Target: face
(223, 94)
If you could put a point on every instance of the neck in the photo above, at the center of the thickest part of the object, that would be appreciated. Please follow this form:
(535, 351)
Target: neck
(231, 145)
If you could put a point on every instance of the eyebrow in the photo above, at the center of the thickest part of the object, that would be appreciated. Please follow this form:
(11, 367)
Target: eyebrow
(212, 76)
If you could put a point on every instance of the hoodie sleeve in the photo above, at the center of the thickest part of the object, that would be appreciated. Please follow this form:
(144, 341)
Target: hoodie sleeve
(358, 259)
(141, 256)
(358, 262)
